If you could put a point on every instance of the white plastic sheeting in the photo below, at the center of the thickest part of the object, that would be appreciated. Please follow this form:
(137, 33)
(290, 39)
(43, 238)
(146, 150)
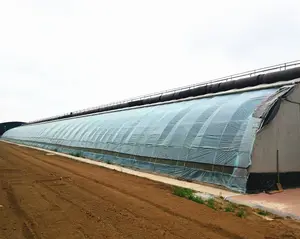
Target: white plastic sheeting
(207, 139)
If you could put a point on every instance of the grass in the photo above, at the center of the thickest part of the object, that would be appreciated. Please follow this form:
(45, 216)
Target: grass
(188, 194)
(263, 213)
(196, 199)
(183, 192)
(241, 213)
(77, 154)
(211, 203)
(230, 208)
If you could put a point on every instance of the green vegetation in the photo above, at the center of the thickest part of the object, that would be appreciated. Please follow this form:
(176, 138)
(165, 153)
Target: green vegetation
(263, 213)
(77, 154)
(241, 213)
(211, 203)
(196, 199)
(183, 192)
(187, 193)
(230, 208)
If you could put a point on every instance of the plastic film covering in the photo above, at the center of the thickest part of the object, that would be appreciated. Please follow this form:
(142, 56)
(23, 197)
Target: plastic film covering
(207, 140)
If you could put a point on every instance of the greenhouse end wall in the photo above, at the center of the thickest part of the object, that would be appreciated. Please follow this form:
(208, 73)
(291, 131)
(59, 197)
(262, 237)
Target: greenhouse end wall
(206, 140)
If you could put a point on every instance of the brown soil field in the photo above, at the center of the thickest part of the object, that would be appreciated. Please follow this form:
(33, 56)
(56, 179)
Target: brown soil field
(49, 196)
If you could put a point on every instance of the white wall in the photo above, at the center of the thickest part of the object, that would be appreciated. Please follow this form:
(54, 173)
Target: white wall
(283, 133)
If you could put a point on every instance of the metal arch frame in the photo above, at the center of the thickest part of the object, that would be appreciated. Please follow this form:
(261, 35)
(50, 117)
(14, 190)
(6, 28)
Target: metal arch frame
(269, 69)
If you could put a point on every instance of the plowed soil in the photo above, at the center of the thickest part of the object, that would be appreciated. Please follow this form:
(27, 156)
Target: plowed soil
(48, 196)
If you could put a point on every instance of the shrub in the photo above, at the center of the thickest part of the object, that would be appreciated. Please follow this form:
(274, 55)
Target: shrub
(241, 213)
(211, 203)
(263, 213)
(196, 199)
(183, 192)
(230, 208)
(77, 154)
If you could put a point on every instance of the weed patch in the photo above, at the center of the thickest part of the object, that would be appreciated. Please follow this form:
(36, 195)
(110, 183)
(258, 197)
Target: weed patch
(241, 213)
(188, 194)
(77, 154)
(211, 203)
(183, 192)
(196, 199)
(263, 213)
(230, 208)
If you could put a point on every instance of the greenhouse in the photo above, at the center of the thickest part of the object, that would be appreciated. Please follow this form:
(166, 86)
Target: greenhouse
(205, 139)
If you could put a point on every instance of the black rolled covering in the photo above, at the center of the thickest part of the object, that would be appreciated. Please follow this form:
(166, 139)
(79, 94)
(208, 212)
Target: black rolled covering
(176, 95)
(252, 81)
(101, 110)
(184, 93)
(199, 90)
(124, 105)
(113, 107)
(181, 94)
(210, 87)
(281, 76)
(107, 108)
(167, 97)
(241, 83)
(260, 79)
(215, 87)
(272, 77)
(227, 85)
(135, 103)
(247, 82)
(94, 111)
(151, 100)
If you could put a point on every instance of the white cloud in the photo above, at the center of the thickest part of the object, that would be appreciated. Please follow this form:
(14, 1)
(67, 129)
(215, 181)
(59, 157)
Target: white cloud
(59, 56)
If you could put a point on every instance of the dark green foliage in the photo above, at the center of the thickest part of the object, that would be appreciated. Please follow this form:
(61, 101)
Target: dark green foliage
(230, 208)
(196, 199)
(263, 213)
(211, 203)
(241, 213)
(183, 192)
(187, 193)
(77, 154)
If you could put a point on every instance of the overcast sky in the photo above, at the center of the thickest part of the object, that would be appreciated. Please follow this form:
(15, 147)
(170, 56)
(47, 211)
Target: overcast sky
(57, 56)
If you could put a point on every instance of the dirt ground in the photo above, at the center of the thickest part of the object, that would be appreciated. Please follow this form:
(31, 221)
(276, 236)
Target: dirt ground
(48, 196)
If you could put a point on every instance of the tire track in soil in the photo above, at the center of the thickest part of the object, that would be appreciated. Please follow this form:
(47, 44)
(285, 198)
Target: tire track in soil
(53, 180)
(45, 174)
(28, 225)
(89, 213)
(43, 182)
(77, 185)
(213, 228)
(56, 207)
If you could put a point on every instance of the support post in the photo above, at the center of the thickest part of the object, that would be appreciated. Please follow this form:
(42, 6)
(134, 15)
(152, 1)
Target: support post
(277, 166)
(279, 186)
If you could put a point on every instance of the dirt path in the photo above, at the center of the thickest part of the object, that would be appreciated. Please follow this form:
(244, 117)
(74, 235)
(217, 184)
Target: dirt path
(47, 196)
